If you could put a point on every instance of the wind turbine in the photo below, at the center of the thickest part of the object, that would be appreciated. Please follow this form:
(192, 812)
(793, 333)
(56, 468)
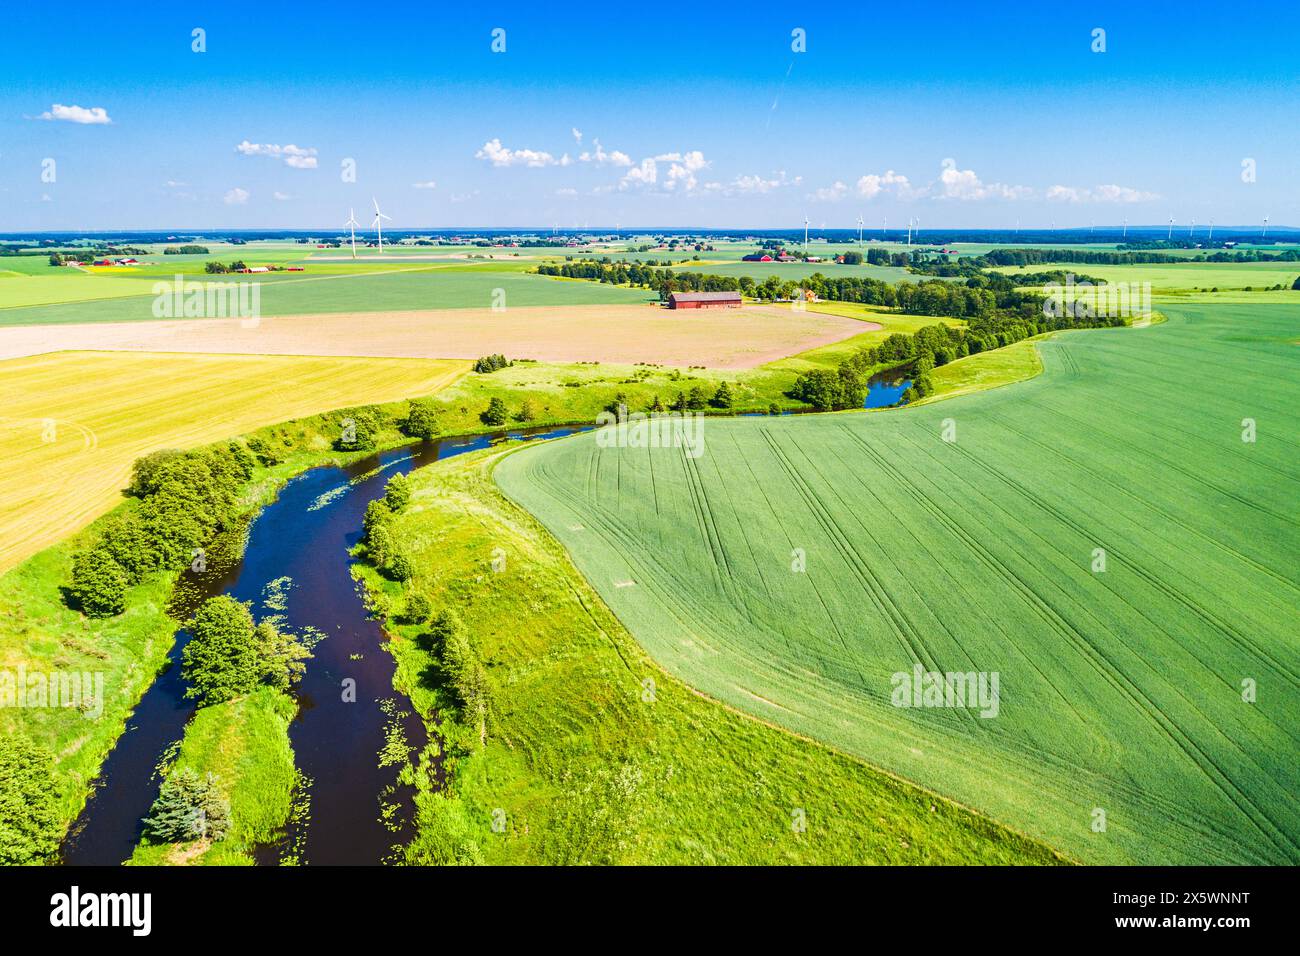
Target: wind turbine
(1265, 232)
(884, 227)
(1125, 228)
(1171, 229)
(1211, 238)
(859, 230)
(805, 234)
(352, 222)
(909, 230)
(1192, 229)
(379, 225)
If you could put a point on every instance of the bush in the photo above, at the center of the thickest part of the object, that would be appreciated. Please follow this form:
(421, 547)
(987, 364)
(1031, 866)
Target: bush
(281, 656)
(1295, 286)
(399, 568)
(418, 608)
(491, 363)
(221, 660)
(29, 819)
(98, 583)
(189, 807)
(525, 413)
(421, 421)
(495, 415)
(358, 430)
(397, 493)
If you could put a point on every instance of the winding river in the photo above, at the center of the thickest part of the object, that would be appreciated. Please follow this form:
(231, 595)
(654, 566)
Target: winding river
(303, 536)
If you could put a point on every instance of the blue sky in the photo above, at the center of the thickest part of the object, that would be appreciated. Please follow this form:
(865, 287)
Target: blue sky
(961, 115)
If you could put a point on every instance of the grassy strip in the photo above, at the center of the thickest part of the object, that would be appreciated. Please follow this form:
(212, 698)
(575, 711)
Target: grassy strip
(244, 744)
(595, 754)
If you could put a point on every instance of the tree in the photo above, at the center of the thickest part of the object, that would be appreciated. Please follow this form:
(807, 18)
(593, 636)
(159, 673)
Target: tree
(1294, 285)
(397, 492)
(496, 413)
(418, 608)
(98, 583)
(722, 397)
(281, 656)
(221, 660)
(421, 420)
(189, 807)
(696, 400)
(853, 258)
(465, 671)
(525, 413)
(29, 818)
(399, 567)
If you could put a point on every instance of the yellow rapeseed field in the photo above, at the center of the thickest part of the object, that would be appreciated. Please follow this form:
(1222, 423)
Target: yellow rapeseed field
(71, 423)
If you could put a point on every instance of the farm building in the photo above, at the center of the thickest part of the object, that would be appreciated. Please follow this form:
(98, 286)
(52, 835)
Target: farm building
(757, 258)
(703, 300)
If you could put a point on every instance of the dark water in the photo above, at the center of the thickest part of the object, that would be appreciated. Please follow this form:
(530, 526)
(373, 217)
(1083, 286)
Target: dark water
(886, 388)
(305, 536)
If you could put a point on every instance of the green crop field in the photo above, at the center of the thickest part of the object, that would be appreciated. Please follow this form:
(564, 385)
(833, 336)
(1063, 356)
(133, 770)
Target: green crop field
(1185, 277)
(402, 288)
(1101, 537)
(758, 271)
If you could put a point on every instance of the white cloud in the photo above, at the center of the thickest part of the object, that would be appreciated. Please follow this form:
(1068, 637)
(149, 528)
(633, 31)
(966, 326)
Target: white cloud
(680, 176)
(964, 184)
(296, 157)
(425, 185)
(603, 158)
(281, 197)
(174, 184)
(236, 197)
(93, 116)
(500, 155)
(577, 134)
(832, 193)
(873, 184)
(567, 192)
(745, 184)
(1109, 192)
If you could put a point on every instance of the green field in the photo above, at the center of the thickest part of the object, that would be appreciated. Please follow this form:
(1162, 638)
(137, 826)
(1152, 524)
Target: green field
(403, 288)
(758, 271)
(580, 764)
(1182, 277)
(1121, 690)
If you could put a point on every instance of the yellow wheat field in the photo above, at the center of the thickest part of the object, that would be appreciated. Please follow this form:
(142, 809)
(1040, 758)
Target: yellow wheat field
(71, 423)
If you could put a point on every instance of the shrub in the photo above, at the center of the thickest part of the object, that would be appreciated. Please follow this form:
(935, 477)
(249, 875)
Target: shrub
(421, 421)
(98, 583)
(397, 493)
(29, 817)
(495, 414)
(358, 430)
(281, 656)
(221, 659)
(491, 363)
(189, 807)
(418, 608)
(399, 567)
(525, 413)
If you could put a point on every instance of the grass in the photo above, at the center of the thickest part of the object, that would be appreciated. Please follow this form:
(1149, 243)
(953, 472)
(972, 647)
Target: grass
(38, 631)
(244, 745)
(1121, 690)
(110, 408)
(583, 766)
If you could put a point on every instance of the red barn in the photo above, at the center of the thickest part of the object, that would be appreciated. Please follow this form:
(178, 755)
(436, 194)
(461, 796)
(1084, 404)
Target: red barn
(704, 300)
